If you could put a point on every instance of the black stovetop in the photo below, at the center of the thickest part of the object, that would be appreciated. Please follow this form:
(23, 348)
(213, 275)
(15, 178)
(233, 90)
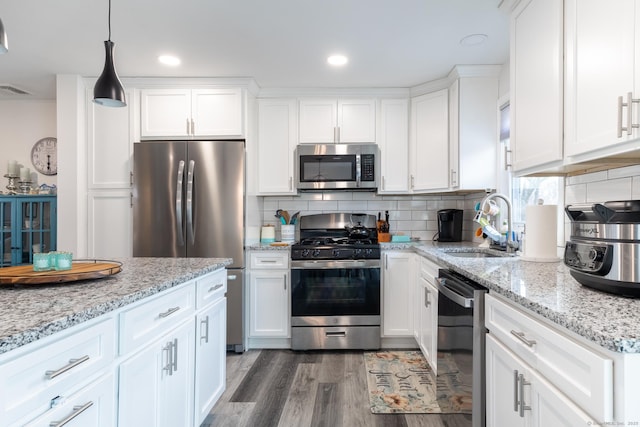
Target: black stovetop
(335, 248)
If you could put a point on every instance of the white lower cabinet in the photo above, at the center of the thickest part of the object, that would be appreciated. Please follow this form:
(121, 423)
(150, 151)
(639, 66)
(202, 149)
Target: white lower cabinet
(156, 384)
(539, 376)
(426, 310)
(518, 396)
(398, 278)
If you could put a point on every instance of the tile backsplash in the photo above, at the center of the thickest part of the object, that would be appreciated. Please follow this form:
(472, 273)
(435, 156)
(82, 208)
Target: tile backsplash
(415, 216)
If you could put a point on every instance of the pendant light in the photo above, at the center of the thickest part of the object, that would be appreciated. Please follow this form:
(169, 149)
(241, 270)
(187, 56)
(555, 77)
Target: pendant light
(4, 45)
(108, 90)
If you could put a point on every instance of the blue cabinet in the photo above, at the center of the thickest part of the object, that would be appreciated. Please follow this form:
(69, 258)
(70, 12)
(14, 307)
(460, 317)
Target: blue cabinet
(28, 226)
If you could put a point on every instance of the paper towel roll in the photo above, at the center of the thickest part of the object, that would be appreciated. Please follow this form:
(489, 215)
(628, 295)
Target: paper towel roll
(541, 228)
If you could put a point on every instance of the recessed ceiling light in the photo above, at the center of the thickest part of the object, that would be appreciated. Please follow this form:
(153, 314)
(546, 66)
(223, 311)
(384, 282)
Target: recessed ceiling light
(337, 60)
(473, 39)
(169, 60)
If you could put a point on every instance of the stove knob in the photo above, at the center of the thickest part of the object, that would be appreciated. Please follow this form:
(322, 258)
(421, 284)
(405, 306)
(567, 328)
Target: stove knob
(358, 252)
(368, 251)
(305, 253)
(316, 252)
(335, 253)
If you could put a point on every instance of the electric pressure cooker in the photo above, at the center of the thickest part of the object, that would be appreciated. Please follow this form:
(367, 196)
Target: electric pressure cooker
(604, 248)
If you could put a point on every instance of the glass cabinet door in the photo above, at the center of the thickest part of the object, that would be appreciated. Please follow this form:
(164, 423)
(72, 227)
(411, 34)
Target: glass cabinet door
(5, 233)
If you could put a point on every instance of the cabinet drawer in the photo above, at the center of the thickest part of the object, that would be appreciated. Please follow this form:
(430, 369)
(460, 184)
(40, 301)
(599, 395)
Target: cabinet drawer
(270, 259)
(428, 270)
(93, 406)
(210, 288)
(153, 318)
(583, 374)
(31, 380)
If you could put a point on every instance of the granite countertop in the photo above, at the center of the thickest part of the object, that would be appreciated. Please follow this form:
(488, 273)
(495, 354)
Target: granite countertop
(547, 288)
(31, 312)
(268, 247)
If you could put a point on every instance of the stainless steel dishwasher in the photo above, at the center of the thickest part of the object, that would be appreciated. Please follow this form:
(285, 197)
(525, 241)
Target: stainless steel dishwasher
(461, 338)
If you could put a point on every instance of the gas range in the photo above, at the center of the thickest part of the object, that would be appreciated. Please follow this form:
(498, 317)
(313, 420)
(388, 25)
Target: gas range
(335, 248)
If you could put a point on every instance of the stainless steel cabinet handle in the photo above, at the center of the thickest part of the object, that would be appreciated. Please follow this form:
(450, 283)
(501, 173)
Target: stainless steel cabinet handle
(629, 104)
(193, 127)
(190, 226)
(268, 261)
(453, 177)
(290, 183)
(426, 297)
(174, 359)
(205, 322)
(411, 181)
(77, 410)
(285, 282)
(516, 402)
(169, 312)
(215, 288)
(523, 383)
(179, 202)
(384, 186)
(167, 351)
(188, 126)
(521, 337)
(72, 364)
(507, 165)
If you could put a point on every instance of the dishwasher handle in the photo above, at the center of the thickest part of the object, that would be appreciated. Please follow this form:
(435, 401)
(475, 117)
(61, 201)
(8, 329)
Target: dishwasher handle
(447, 287)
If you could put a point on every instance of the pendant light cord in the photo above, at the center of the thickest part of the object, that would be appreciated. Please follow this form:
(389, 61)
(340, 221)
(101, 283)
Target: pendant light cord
(109, 21)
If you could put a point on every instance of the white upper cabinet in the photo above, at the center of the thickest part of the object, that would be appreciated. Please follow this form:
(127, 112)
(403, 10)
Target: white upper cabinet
(329, 121)
(602, 55)
(181, 113)
(536, 83)
(393, 140)
(473, 133)
(277, 126)
(429, 142)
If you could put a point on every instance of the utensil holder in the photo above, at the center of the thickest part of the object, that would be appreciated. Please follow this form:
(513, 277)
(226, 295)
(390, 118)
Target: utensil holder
(384, 237)
(288, 233)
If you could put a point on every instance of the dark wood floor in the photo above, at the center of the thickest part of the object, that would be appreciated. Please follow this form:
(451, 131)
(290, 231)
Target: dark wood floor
(306, 389)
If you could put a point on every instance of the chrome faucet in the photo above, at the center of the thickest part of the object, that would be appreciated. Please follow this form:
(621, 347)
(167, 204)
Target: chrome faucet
(511, 245)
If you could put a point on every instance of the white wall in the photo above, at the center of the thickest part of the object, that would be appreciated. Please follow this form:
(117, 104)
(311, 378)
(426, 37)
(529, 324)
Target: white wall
(22, 124)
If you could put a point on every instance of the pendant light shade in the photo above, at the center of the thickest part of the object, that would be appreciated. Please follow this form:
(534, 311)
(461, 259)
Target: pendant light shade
(108, 90)
(4, 45)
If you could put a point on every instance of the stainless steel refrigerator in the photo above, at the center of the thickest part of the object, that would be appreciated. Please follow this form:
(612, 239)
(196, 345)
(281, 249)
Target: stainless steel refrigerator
(188, 201)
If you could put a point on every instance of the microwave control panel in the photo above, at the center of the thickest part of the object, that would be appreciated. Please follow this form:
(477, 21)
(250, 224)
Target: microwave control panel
(368, 172)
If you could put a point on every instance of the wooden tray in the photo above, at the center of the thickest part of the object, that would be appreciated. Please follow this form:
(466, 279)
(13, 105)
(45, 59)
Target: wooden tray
(80, 270)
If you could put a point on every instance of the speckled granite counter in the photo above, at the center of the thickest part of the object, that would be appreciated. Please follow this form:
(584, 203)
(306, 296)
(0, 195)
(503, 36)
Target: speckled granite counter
(28, 313)
(268, 247)
(548, 289)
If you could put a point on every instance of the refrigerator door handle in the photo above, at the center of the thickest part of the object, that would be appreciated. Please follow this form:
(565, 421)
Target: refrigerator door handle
(179, 202)
(190, 228)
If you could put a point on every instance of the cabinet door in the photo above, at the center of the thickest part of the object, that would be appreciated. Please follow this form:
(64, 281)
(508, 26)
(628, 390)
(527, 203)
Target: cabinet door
(153, 389)
(109, 217)
(397, 283)
(277, 124)
(110, 145)
(429, 322)
(165, 113)
(537, 83)
(269, 304)
(502, 388)
(318, 121)
(211, 342)
(430, 141)
(394, 146)
(217, 112)
(600, 54)
(356, 120)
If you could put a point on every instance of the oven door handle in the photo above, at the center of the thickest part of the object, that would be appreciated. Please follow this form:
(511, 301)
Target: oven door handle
(445, 289)
(333, 264)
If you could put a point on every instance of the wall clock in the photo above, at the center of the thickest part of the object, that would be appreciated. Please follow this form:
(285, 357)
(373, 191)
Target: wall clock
(44, 156)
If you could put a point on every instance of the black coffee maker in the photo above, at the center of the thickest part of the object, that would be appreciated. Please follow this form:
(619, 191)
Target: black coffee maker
(450, 225)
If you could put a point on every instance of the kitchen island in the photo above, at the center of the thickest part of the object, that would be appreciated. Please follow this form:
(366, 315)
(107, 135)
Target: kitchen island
(91, 349)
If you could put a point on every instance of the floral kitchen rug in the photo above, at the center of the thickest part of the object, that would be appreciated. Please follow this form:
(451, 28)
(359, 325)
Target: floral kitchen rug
(403, 382)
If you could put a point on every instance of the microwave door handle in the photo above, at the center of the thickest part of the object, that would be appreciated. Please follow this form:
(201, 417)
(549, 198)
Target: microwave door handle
(358, 170)
(179, 202)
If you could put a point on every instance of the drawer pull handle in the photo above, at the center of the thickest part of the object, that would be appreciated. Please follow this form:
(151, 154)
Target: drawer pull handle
(516, 403)
(169, 312)
(168, 367)
(336, 334)
(268, 261)
(215, 288)
(521, 337)
(77, 410)
(72, 364)
(523, 407)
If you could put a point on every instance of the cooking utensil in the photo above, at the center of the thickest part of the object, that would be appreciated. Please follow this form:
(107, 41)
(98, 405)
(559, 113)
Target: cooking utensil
(286, 217)
(294, 218)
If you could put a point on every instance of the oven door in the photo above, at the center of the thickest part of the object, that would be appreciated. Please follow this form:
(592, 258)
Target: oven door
(335, 293)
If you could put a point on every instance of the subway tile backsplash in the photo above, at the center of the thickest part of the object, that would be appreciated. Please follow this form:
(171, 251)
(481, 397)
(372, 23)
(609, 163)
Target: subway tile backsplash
(415, 216)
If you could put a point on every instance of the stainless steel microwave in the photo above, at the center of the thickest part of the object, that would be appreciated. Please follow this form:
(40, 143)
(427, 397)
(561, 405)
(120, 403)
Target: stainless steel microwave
(337, 167)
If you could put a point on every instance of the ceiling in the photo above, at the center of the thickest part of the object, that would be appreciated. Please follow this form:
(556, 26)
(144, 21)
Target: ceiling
(280, 43)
